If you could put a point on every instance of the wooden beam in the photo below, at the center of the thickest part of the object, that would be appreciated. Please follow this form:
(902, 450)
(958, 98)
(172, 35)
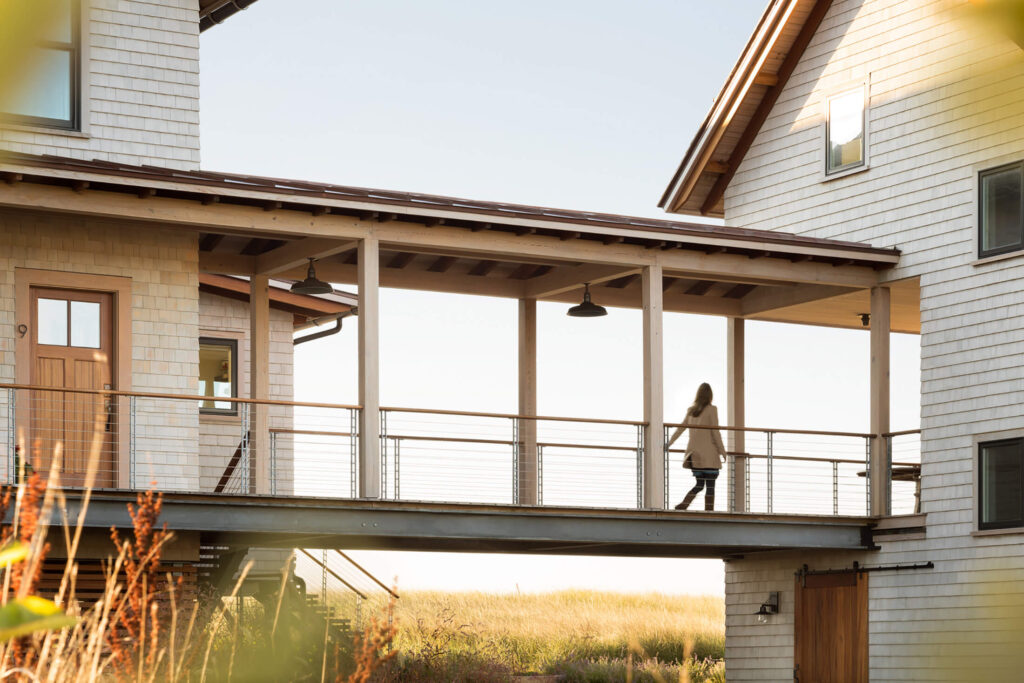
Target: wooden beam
(522, 272)
(419, 280)
(654, 390)
(298, 252)
(673, 301)
(767, 79)
(271, 206)
(568, 278)
(716, 167)
(145, 192)
(368, 275)
(881, 322)
(80, 186)
(623, 282)
(209, 199)
(528, 480)
(566, 236)
(320, 210)
(667, 282)
(763, 110)
(259, 383)
(227, 264)
(11, 178)
(772, 298)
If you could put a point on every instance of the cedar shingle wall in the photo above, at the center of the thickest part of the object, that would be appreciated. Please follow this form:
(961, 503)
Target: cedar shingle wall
(944, 105)
(142, 75)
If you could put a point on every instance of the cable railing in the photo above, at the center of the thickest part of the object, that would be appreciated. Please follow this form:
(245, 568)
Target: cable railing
(242, 446)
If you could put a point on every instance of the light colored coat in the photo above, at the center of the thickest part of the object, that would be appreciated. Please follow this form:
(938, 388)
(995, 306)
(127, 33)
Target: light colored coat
(705, 446)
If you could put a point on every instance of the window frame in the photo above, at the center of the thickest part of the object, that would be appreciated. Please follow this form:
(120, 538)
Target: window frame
(235, 388)
(1010, 524)
(74, 48)
(1019, 246)
(838, 172)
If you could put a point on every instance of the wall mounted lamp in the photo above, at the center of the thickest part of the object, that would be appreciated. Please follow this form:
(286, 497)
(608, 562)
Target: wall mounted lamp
(768, 607)
(865, 319)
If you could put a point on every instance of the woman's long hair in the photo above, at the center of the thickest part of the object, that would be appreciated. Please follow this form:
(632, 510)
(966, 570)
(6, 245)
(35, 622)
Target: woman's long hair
(702, 400)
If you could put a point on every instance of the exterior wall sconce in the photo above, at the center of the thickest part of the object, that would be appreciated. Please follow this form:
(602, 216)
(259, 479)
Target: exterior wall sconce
(768, 608)
(865, 319)
(587, 309)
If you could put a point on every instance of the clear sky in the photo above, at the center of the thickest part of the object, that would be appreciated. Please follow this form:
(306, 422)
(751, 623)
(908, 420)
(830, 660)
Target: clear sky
(581, 105)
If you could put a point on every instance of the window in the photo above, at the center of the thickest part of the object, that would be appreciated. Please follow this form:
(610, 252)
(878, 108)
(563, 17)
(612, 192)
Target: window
(49, 92)
(845, 131)
(56, 317)
(1001, 210)
(1001, 485)
(218, 375)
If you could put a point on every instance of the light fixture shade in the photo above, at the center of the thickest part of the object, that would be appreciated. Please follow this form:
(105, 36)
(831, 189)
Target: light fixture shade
(587, 309)
(311, 285)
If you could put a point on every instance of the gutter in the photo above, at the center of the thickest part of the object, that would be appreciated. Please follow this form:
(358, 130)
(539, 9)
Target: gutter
(324, 333)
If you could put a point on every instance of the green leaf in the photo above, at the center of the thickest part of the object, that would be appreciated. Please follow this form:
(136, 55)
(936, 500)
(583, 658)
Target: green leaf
(30, 614)
(13, 552)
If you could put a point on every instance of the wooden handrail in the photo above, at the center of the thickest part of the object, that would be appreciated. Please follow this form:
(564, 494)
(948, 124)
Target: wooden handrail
(808, 432)
(514, 416)
(905, 432)
(181, 397)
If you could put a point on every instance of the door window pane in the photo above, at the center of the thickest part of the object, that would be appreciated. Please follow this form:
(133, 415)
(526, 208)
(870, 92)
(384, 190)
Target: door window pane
(46, 92)
(85, 324)
(1002, 225)
(846, 130)
(217, 373)
(1002, 494)
(52, 319)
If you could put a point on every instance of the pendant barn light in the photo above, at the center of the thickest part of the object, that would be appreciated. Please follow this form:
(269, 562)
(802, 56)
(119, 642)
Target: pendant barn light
(587, 309)
(311, 285)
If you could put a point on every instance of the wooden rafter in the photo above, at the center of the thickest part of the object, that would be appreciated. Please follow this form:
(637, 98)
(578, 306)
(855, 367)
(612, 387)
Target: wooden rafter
(740, 291)
(401, 260)
(700, 288)
(623, 282)
(442, 264)
(210, 241)
(483, 268)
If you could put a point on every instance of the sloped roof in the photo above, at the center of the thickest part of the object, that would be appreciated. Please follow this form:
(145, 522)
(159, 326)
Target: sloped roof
(739, 111)
(386, 205)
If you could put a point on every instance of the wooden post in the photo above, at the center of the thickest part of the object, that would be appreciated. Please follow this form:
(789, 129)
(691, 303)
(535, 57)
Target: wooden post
(528, 463)
(259, 383)
(880, 323)
(369, 368)
(654, 390)
(736, 415)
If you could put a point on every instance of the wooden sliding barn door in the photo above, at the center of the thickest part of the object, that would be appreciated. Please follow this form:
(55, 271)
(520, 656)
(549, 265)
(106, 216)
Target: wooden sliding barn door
(72, 348)
(831, 631)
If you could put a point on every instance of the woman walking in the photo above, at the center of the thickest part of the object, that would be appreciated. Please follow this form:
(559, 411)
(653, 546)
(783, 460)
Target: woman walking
(705, 452)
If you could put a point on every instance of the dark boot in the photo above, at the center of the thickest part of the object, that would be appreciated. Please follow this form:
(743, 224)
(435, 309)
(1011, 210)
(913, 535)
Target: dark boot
(709, 501)
(687, 500)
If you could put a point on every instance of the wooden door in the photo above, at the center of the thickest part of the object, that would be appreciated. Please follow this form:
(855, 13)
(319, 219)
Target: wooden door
(831, 643)
(72, 348)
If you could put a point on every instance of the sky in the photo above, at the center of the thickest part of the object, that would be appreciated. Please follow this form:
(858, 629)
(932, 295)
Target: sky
(570, 104)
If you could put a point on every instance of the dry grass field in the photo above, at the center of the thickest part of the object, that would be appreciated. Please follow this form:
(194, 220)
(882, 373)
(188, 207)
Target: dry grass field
(583, 635)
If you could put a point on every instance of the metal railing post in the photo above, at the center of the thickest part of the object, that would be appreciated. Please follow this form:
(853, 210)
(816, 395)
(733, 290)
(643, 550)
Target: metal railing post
(132, 422)
(746, 485)
(540, 474)
(665, 437)
(273, 463)
(515, 461)
(245, 452)
(888, 475)
(867, 475)
(835, 487)
(730, 482)
(383, 454)
(771, 483)
(12, 457)
(398, 453)
(353, 430)
(640, 466)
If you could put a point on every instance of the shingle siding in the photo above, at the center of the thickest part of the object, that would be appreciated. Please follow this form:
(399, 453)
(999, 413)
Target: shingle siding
(141, 69)
(943, 105)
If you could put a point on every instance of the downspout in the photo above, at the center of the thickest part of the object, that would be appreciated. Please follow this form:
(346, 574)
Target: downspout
(323, 333)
